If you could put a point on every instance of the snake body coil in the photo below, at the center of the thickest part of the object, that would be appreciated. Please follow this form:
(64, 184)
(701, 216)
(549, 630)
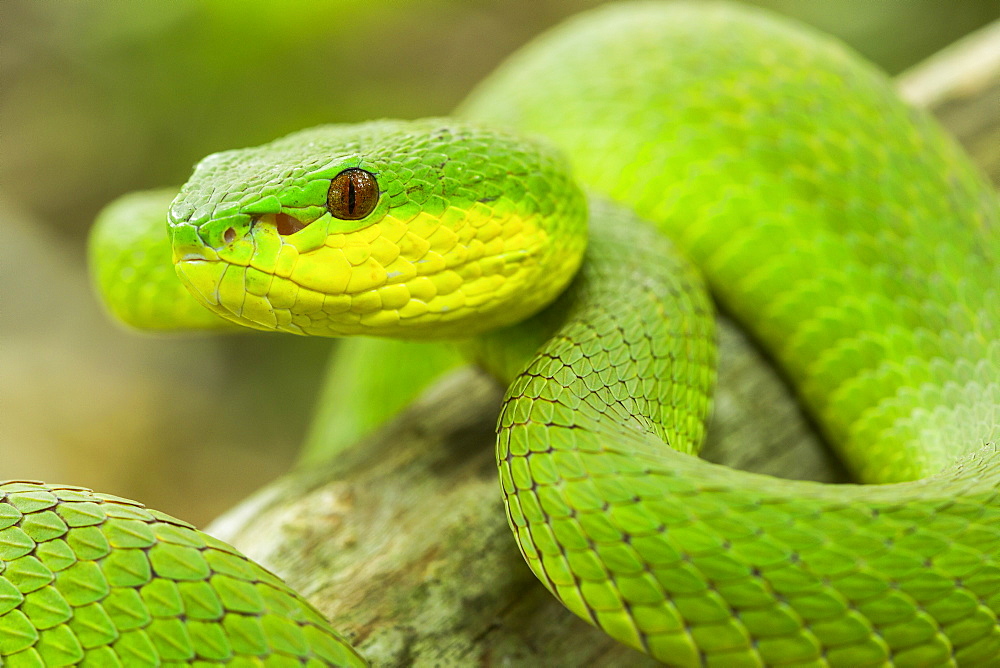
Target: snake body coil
(842, 228)
(853, 240)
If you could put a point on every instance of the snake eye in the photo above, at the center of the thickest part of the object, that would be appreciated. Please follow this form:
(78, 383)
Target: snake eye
(353, 194)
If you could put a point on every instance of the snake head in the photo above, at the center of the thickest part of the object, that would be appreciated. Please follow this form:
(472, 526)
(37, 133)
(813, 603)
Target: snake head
(418, 229)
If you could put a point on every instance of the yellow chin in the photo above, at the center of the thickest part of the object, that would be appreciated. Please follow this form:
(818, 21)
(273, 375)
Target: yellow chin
(433, 276)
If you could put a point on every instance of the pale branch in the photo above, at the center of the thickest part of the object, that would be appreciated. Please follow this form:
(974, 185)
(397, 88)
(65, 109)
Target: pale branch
(403, 541)
(961, 85)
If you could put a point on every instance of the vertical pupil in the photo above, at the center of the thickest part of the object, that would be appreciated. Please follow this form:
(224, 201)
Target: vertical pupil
(353, 194)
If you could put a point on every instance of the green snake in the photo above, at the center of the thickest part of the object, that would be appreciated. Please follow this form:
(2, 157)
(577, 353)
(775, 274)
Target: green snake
(843, 229)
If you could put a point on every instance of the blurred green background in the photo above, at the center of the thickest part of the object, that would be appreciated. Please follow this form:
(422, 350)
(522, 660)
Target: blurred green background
(101, 97)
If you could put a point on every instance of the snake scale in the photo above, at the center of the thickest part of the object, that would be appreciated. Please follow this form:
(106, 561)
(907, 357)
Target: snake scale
(843, 229)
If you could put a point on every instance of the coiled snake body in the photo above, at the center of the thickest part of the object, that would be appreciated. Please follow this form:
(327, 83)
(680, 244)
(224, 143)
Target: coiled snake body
(843, 229)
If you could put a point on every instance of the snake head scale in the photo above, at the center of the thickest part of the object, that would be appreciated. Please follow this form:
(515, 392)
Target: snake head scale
(389, 228)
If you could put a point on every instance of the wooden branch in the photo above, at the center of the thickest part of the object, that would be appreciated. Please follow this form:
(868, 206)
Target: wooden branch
(961, 86)
(403, 542)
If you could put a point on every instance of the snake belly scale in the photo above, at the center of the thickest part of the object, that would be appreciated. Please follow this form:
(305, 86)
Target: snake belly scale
(695, 145)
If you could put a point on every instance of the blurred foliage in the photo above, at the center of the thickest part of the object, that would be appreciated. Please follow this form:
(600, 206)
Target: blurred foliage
(101, 97)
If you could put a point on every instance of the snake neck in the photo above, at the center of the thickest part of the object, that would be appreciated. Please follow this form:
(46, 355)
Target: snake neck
(638, 328)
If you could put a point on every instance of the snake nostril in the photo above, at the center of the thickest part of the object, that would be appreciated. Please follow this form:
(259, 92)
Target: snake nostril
(229, 236)
(285, 224)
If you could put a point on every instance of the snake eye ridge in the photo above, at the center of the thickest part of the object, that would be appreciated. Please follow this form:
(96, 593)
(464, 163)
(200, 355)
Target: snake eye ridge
(353, 194)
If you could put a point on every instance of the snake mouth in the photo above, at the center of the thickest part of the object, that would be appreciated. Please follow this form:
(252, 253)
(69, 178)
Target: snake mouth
(202, 276)
(195, 257)
(224, 287)
(202, 257)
